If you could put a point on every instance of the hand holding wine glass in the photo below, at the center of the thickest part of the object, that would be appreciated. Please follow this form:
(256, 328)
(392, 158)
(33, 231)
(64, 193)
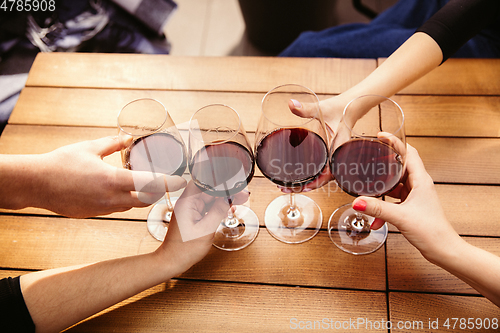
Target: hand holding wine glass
(368, 158)
(292, 151)
(157, 148)
(222, 164)
(197, 216)
(74, 181)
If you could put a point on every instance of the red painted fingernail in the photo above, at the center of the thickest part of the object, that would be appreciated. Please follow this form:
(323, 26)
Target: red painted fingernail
(377, 224)
(359, 205)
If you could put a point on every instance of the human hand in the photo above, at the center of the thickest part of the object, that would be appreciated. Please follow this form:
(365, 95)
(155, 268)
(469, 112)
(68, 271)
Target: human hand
(74, 181)
(419, 216)
(191, 230)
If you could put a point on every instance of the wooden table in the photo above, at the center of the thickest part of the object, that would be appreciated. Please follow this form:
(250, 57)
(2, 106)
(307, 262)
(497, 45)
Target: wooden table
(452, 118)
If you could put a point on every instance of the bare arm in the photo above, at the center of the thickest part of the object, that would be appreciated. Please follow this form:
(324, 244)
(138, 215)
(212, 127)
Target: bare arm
(421, 219)
(74, 181)
(59, 298)
(415, 58)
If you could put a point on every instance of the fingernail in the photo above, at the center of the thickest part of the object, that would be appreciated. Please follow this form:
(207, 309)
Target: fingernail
(307, 190)
(296, 103)
(377, 224)
(359, 205)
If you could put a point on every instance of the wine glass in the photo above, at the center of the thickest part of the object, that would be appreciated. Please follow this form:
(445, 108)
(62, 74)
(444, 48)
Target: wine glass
(158, 148)
(221, 163)
(292, 151)
(368, 158)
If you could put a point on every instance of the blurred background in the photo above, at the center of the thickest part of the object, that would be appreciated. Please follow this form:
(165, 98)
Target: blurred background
(175, 27)
(217, 27)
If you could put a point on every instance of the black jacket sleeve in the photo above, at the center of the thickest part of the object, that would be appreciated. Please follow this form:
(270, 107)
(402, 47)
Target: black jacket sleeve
(14, 315)
(458, 21)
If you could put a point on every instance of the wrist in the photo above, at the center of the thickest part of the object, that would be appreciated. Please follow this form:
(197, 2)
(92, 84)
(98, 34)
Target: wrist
(167, 266)
(20, 179)
(447, 252)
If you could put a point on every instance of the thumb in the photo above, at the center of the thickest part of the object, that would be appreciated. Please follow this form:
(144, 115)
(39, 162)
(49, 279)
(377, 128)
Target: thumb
(305, 110)
(108, 145)
(380, 210)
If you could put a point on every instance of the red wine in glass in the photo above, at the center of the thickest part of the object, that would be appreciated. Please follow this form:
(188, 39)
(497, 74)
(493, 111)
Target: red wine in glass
(222, 164)
(291, 151)
(222, 170)
(157, 148)
(368, 159)
(366, 167)
(292, 157)
(157, 153)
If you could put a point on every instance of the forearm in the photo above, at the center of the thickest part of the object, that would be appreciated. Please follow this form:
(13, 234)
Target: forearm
(477, 267)
(59, 298)
(416, 57)
(18, 180)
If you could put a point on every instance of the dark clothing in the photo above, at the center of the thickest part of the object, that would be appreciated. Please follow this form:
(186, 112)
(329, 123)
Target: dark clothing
(14, 315)
(459, 21)
(453, 26)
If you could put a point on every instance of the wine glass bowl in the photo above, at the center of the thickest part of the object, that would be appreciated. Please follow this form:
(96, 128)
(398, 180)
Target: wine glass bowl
(158, 148)
(222, 164)
(368, 158)
(291, 151)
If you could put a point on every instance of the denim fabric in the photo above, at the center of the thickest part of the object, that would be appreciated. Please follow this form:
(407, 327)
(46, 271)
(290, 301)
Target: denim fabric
(383, 35)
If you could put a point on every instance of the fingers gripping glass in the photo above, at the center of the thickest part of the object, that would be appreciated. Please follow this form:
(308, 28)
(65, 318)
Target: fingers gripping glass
(368, 158)
(221, 163)
(291, 150)
(157, 148)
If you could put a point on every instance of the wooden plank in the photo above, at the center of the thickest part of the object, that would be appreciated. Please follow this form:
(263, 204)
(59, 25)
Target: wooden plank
(429, 313)
(100, 107)
(459, 77)
(408, 270)
(49, 242)
(22, 139)
(471, 209)
(474, 116)
(449, 160)
(263, 191)
(189, 306)
(460, 116)
(11, 273)
(219, 300)
(138, 71)
(460, 160)
(317, 262)
(446, 159)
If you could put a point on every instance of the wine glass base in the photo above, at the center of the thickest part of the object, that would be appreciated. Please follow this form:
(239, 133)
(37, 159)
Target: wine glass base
(159, 218)
(293, 231)
(238, 237)
(352, 238)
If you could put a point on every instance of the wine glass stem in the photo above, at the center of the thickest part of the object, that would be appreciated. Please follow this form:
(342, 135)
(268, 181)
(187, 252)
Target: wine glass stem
(358, 223)
(293, 212)
(230, 221)
(292, 202)
(170, 208)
